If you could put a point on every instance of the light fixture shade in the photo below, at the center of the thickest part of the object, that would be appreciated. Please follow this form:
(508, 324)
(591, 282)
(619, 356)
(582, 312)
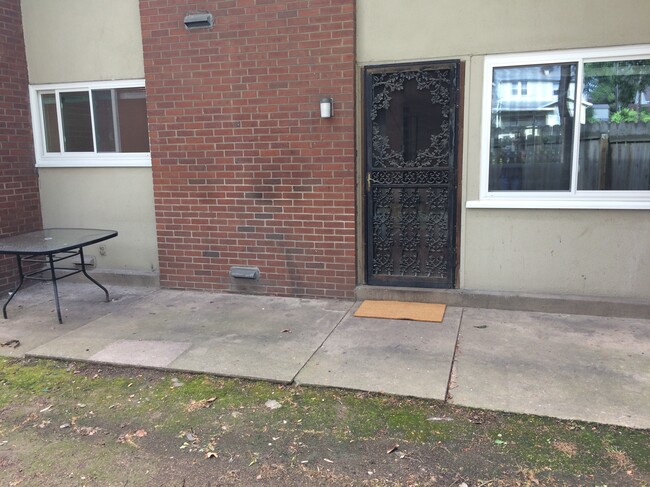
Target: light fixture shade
(326, 108)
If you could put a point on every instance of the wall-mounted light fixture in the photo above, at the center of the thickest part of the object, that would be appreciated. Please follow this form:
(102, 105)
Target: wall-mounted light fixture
(326, 108)
(198, 20)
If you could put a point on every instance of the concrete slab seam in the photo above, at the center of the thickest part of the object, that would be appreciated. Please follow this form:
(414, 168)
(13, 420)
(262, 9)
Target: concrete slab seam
(293, 379)
(453, 357)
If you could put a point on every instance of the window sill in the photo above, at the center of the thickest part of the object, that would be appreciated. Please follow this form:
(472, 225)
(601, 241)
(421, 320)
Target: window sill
(94, 160)
(559, 204)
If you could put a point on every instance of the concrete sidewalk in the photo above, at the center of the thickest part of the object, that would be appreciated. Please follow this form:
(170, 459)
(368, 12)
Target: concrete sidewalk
(566, 366)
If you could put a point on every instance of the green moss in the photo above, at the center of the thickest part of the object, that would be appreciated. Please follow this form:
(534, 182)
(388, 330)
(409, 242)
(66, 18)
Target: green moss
(165, 408)
(561, 446)
(21, 377)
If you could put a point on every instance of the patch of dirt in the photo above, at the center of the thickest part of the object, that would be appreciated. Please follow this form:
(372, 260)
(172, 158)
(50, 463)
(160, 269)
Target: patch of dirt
(198, 442)
(569, 449)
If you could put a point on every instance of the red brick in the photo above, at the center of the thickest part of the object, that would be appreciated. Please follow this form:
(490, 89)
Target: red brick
(19, 196)
(244, 168)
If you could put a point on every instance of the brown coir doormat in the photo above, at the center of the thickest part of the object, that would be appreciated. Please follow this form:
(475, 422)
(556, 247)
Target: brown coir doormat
(398, 310)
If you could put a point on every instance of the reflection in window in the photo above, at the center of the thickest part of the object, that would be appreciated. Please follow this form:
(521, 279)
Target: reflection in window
(615, 140)
(115, 121)
(120, 120)
(77, 123)
(50, 123)
(104, 120)
(132, 120)
(531, 134)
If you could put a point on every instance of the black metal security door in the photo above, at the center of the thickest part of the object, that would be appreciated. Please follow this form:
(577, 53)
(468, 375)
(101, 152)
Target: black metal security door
(411, 126)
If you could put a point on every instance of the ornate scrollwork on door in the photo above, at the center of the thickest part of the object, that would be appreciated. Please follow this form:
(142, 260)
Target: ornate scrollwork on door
(386, 85)
(409, 226)
(411, 175)
(382, 236)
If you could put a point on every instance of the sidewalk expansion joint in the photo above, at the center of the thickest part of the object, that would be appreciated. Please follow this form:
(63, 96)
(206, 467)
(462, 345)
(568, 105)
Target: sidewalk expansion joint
(293, 380)
(453, 358)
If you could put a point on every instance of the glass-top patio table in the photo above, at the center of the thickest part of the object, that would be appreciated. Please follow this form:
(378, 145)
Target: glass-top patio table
(49, 247)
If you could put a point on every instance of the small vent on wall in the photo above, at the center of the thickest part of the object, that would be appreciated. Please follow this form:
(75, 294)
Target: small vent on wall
(245, 272)
(198, 20)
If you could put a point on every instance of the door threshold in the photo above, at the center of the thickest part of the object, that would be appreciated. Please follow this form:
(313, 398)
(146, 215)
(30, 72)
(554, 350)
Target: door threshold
(545, 303)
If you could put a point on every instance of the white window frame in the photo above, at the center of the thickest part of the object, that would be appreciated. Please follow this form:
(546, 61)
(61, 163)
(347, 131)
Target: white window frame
(574, 198)
(80, 159)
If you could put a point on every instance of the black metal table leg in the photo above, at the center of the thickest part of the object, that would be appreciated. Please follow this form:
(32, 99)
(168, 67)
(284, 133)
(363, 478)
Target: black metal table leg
(83, 269)
(22, 280)
(56, 288)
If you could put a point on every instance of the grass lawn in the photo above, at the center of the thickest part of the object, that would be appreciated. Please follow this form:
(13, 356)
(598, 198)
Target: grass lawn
(73, 424)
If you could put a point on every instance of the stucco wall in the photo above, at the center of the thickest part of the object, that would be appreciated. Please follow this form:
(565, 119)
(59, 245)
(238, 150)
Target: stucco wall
(582, 252)
(82, 40)
(422, 29)
(90, 40)
(105, 198)
(595, 253)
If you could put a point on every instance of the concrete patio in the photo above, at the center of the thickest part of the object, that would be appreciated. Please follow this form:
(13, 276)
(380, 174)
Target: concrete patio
(567, 366)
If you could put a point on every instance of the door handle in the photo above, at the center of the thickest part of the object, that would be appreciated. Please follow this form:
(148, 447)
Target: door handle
(369, 180)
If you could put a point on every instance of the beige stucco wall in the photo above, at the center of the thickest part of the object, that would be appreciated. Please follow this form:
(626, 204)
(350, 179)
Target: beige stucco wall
(82, 40)
(90, 40)
(421, 29)
(595, 253)
(105, 198)
(581, 252)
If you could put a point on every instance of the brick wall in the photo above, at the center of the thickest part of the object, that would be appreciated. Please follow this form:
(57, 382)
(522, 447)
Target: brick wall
(19, 198)
(245, 170)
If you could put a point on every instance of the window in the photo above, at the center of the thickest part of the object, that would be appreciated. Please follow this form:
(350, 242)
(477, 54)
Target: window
(91, 124)
(567, 129)
(519, 88)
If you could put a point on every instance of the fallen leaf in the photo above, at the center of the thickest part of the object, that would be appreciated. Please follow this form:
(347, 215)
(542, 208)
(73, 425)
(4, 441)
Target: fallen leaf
(211, 454)
(45, 409)
(128, 437)
(328, 460)
(391, 450)
(86, 430)
(202, 404)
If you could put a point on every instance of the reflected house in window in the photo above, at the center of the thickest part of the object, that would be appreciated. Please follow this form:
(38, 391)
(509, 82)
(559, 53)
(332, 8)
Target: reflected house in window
(528, 97)
(533, 110)
(522, 96)
(539, 142)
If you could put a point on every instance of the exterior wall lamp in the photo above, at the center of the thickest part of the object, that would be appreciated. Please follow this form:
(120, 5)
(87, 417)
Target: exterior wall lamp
(326, 107)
